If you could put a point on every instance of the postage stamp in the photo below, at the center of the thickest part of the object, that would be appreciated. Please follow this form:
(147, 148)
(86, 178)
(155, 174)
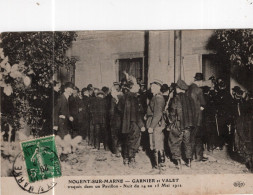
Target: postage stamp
(41, 158)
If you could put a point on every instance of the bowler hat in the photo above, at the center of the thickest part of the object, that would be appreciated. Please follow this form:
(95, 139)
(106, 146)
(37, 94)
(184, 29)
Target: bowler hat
(198, 76)
(173, 85)
(182, 85)
(236, 88)
(205, 89)
(164, 88)
(212, 78)
(89, 87)
(222, 85)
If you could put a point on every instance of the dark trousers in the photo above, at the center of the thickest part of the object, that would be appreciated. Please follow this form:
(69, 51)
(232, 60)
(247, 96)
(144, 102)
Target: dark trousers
(211, 135)
(100, 135)
(91, 134)
(47, 128)
(144, 140)
(223, 131)
(84, 128)
(64, 127)
(197, 143)
(175, 143)
(115, 135)
(130, 141)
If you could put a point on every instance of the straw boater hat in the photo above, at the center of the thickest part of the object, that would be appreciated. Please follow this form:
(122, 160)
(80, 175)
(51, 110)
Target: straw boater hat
(157, 82)
(101, 93)
(116, 83)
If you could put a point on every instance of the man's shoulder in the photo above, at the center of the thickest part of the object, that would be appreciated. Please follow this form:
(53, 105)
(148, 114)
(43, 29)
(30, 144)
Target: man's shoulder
(193, 86)
(159, 97)
(61, 97)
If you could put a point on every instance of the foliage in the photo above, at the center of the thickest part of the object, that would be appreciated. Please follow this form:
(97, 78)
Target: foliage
(33, 58)
(235, 46)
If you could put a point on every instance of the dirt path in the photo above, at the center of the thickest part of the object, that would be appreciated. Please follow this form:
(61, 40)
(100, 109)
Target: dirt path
(90, 162)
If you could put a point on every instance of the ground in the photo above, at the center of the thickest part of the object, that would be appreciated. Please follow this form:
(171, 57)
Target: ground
(87, 162)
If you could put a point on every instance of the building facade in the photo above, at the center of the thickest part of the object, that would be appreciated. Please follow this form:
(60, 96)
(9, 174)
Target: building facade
(165, 55)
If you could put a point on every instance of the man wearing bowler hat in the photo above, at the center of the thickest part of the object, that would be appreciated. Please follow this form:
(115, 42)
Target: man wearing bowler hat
(98, 111)
(62, 117)
(156, 124)
(198, 102)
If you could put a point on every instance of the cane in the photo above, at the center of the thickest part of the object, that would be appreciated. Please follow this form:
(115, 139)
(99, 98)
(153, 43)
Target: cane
(217, 126)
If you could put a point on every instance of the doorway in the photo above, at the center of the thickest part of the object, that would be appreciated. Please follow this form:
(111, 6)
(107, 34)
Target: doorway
(211, 67)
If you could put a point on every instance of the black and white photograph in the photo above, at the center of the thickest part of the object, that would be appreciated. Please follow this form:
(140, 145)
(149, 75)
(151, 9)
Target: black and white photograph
(126, 97)
(131, 102)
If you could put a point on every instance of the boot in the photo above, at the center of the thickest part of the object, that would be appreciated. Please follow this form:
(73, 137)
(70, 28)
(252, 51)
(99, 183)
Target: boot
(179, 165)
(189, 162)
(125, 161)
(161, 158)
(155, 159)
(132, 163)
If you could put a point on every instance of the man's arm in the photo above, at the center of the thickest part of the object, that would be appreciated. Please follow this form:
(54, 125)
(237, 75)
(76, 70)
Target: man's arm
(158, 111)
(174, 110)
(201, 97)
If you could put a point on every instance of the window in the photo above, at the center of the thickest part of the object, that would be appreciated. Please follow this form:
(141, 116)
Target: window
(133, 67)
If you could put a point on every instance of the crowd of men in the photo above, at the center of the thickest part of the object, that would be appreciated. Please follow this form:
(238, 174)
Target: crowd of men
(174, 121)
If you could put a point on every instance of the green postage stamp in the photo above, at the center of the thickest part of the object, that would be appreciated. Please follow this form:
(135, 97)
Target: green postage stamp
(41, 158)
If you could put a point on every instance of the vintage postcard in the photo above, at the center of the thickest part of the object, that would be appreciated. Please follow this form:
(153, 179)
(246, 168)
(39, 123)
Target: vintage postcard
(152, 112)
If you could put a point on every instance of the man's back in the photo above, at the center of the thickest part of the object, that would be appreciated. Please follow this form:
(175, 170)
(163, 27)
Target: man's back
(198, 101)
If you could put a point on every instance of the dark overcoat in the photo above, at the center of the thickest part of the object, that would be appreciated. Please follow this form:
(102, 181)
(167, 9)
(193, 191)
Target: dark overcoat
(62, 108)
(182, 111)
(129, 108)
(115, 118)
(98, 109)
(197, 100)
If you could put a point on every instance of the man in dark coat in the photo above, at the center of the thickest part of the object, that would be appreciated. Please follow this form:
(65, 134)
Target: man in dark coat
(115, 121)
(156, 124)
(224, 114)
(98, 109)
(85, 126)
(198, 101)
(210, 134)
(181, 116)
(62, 117)
(74, 109)
(131, 123)
(240, 116)
(107, 98)
(47, 113)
